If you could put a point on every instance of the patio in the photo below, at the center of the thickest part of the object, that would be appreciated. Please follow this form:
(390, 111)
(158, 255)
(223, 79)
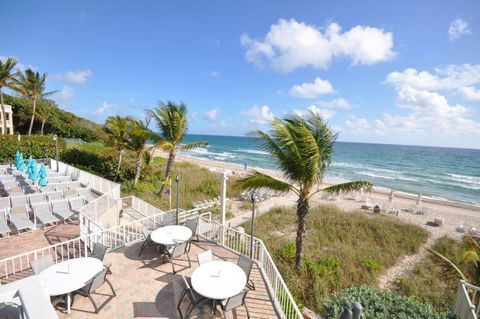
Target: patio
(146, 287)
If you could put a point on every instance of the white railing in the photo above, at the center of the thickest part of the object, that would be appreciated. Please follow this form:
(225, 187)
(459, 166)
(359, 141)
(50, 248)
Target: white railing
(466, 301)
(240, 242)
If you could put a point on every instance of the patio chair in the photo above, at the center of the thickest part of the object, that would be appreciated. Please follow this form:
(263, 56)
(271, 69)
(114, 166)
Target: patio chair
(76, 203)
(20, 219)
(4, 229)
(205, 257)
(15, 191)
(192, 224)
(195, 299)
(36, 198)
(93, 285)
(48, 188)
(86, 193)
(99, 251)
(70, 193)
(4, 202)
(54, 195)
(246, 264)
(177, 251)
(42, 263)
(149, 242)
(44, 214)
(74, 185)
(18, 201)
(235, 302)
(60, 187)
(61, 208)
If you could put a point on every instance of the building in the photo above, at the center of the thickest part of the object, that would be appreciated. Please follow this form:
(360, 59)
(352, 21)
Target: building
(9, 116)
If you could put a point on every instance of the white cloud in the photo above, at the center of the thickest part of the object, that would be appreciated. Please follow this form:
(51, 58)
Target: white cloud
(212, 114)
(19, 66)
(259, 115)
(290, 45)
(63, 96)
(470, 93)
(313, 90)
(73, 77)
(458, 79)
(324, 113)
(215, 74)
(357, 124)
(339, 103)
(458, 28)
(106, 107)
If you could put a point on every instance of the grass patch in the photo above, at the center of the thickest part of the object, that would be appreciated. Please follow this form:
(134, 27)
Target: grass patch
(342, 250)
(432, 280)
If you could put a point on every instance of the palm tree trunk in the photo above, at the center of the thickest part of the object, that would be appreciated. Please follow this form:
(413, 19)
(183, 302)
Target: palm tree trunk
(34, 105)
(138, 168)
(4, 118)
(43, 125)
(168, 170)
(120, 156)
(302, 210)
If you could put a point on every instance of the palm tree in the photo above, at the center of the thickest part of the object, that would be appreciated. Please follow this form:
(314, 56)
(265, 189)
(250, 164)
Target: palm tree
(116, 128)
(7, 78)
(31, 84)
(43, 113)
(138, 135)
(302, 148)
(171, 120)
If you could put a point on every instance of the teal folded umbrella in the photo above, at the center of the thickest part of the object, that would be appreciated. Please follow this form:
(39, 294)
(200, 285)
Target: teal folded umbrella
(42, 174)
(21, 163)
(33, 170)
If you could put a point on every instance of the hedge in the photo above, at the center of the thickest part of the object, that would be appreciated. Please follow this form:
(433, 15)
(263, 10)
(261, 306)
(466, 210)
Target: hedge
(99, 160)
(38, 146)
(381, 305)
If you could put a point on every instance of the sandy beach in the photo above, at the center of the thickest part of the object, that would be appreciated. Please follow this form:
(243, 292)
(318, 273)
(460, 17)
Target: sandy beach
(453, 213)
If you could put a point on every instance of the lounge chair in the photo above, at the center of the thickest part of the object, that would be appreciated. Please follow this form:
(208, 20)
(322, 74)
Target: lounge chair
(94, 284)
(60, 187)
(54, 196)
(15, 191)
(64, 179)
(77, 203)
(36, 198)
(43, 213)
(20, 219)
(86, 193)
(205, 257)
(61, 208)
(4, 229)
(74, 185)
(42, 263)
(18, 201)
(70, 193)
(48, 188)
(9, 184)
(235, 302)
(246, 264)
(4, 203)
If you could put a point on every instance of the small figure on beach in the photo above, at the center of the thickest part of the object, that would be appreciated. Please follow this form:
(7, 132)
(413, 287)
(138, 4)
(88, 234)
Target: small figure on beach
(245, 166)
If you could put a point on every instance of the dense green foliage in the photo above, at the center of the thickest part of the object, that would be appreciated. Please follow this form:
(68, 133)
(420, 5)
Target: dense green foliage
(342, 250)
(438, 276)
(381, 305)
(58, 121)
(36, 145)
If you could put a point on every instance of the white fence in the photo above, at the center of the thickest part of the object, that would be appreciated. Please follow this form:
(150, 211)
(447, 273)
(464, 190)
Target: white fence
(466, 301)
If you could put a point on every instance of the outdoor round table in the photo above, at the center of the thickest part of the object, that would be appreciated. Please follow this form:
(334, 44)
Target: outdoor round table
(171, 235)
(218, 280)
(69, 275)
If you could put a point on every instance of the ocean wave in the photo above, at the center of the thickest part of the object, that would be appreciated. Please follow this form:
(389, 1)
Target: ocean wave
(206, 152)
(243, 150)
(454, 184)
(396, 176)
(364, 166)
(470, 180)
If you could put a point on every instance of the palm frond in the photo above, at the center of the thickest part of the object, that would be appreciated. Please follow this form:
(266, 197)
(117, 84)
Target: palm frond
(451, 263)
(193, 145)
(259, 180)
(349, 187)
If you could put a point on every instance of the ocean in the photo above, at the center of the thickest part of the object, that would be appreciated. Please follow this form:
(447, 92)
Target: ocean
(443, 173)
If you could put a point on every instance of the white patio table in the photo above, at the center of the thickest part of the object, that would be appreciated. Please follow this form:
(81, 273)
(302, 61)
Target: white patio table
(69, 275)
(171, 235)
(218, 280)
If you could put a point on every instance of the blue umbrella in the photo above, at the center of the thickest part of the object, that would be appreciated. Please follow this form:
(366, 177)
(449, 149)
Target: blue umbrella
(21, 163)
(43, 176)
(33, 171)
(17, 154)
(29, 164)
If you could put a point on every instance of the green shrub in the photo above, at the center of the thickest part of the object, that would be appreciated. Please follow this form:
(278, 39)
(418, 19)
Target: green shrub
(371, 264)
(288, 251)
(381, 305)
(38, 146)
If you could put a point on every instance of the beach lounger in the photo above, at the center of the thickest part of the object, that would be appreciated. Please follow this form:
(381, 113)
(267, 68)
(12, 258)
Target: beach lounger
(18, 201)
(86, 193)
(4, 229)
(60, 187)
(54, 195)
(61, 208)
(15, 191)
(4, 203)
(9, 184)
(74, 185)
(32, 189)
(19, 218)
(43, 213)
(53, 180)
(77, 203)
(48, 188)
(70, 193)
(36, 198)
(64, 179)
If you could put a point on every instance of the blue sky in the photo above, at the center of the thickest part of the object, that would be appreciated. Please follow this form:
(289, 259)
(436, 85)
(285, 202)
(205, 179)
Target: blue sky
(406, 72)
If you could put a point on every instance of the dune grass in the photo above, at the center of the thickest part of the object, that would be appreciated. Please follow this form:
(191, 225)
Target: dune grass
(432, 280)
(196, 184)
(342, 250)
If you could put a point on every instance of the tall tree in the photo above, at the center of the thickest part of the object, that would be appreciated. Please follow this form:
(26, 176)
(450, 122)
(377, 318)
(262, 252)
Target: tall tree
(7, 79)
(116, 128)
(138, 135)
(302, 148)
(32, 84)
(43, 112)
(172, 122)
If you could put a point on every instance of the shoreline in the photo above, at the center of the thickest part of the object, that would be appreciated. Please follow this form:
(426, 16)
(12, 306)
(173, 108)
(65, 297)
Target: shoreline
(238, 169)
